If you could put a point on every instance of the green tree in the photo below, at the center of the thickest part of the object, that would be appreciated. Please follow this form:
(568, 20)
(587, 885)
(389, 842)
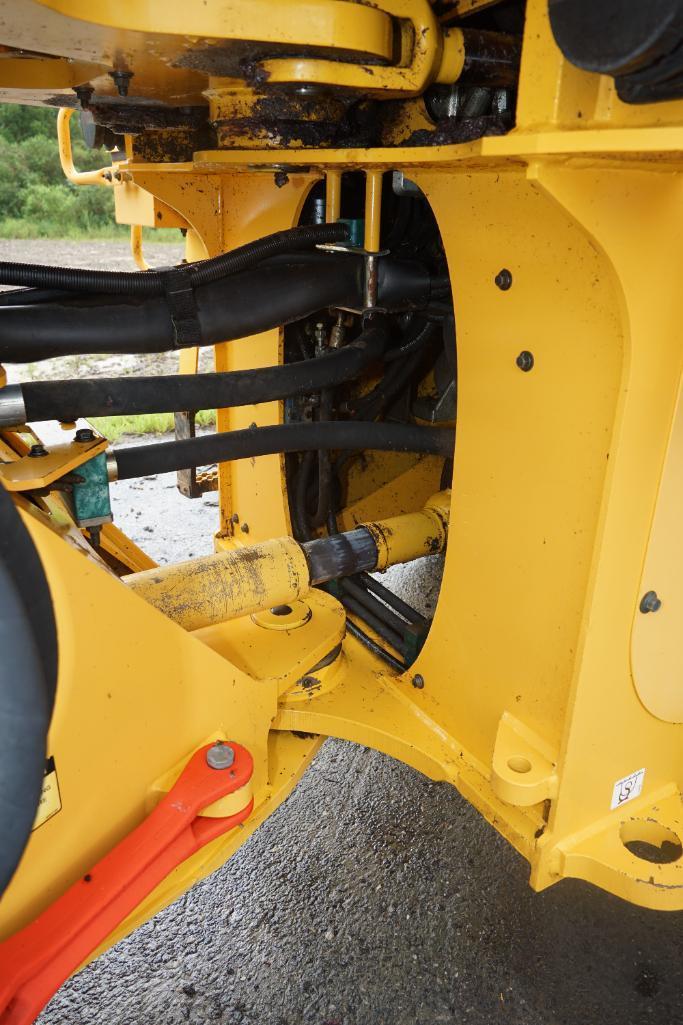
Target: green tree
(18, 122)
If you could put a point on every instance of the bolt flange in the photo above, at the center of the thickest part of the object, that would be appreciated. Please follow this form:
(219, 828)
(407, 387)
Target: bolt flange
(220, 756)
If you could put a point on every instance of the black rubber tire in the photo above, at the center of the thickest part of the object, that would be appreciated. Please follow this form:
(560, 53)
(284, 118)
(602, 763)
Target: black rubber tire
(28, 673)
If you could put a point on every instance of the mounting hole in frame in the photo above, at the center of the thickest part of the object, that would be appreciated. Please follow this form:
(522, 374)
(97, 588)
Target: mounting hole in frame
(519, 764)
(281, 610)
(650, 841)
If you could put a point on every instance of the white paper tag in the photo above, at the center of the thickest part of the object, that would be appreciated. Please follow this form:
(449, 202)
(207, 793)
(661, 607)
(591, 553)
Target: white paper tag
(627, 788)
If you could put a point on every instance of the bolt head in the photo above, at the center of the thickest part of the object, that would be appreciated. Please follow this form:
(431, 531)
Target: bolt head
(36, 451)
(418, 681)
(650, 602)
(525, 361)
(220, 756)
(85, 434)
(503, 280)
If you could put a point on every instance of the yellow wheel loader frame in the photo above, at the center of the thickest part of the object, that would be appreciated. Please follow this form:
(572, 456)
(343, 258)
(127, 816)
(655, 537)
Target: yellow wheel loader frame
(548, 692)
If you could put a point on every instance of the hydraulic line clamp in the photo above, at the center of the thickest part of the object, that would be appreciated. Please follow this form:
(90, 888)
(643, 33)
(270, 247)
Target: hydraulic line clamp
(37, 960)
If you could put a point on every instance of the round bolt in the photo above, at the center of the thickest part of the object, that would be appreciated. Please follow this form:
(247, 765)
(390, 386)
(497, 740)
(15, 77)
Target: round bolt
(220, 756)
(37, 450)
(525, 361)
(650, 602)
(309, 682)
(418, 681)
(503, 280)
(245, 528)
(84, 434)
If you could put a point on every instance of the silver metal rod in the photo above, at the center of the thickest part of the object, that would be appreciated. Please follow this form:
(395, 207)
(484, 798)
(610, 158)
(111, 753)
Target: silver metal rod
(112, 466)
(12, 408)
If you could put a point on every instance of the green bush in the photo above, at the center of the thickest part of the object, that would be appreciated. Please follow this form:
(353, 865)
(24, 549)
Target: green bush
(40, 158)
(14, 178)
(54, 204)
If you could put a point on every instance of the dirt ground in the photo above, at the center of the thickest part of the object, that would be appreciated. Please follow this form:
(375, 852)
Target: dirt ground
(372, 896)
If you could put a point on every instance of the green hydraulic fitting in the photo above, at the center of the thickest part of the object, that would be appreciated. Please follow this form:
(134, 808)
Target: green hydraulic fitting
(91, 503)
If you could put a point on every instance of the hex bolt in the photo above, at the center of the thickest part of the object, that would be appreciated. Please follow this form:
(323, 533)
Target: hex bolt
(37, 450)
(84, 434)
(121, 81)
(418, 681)
(245, 528)
(650, 602)
(84, 94)
(503, 280)
(220, 756)
(525, 361)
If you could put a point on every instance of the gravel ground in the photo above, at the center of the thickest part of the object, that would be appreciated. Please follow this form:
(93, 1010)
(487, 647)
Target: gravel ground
(371, 896)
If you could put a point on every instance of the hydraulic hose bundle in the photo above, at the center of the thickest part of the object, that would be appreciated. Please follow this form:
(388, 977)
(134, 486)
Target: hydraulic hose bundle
(267, 284)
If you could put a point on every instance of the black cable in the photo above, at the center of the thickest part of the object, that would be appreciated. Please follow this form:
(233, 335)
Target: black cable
(116, 396)
(152, 282)
(374, 647)
(140, 460)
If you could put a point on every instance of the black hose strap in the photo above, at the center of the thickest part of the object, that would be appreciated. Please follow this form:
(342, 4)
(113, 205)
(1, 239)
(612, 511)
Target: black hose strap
(182, 306)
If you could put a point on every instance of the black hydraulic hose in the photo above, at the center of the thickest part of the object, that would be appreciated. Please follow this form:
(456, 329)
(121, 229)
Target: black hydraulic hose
(373, 621)
(376, 608)
(426, 331)
(398, 376)
(323, 506)
(29, 296)
(302, 521)
(271, 295)
(408, 613)
(152, 282)
(116, 396)
(163, 457)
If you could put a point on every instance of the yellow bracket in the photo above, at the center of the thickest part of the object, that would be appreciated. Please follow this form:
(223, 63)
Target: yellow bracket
(39, 471)
(427, 54)
(101, 177)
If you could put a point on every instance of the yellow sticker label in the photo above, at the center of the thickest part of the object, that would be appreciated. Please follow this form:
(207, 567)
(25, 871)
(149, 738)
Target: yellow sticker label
(50, 800)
